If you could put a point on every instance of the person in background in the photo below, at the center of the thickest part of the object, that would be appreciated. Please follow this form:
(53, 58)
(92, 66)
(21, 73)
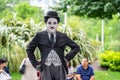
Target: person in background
(70, 75)
(6, 69)
(30, 72)
(84, 71)
(4, 75)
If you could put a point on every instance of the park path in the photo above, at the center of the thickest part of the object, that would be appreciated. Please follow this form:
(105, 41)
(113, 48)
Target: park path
(96, 66)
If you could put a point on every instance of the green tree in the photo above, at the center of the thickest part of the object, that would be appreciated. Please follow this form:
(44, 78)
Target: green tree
(2, 7)
(6, 6)
(92, 8)
(25, 11)
(3, 4)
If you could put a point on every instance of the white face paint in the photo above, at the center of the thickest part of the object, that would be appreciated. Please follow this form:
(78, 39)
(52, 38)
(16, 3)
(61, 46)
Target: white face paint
(52, 25)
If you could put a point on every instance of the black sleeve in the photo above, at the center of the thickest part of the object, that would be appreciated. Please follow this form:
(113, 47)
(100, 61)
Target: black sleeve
(74, 48)
(31, 48)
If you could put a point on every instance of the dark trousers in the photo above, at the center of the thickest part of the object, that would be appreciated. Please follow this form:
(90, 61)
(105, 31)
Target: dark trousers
(53, 73)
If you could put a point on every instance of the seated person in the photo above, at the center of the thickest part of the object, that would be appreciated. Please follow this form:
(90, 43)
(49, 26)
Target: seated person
(6, 69)
(70, 75)
(4, 75)
(84, 71)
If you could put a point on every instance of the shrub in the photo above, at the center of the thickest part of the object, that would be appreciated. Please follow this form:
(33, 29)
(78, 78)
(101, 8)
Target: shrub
(87, 47)
(110, 60)
(14, 39)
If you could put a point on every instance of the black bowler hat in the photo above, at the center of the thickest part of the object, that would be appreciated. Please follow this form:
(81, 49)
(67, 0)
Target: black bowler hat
(51, 14)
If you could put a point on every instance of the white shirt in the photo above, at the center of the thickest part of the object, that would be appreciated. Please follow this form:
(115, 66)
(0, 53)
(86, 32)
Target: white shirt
(5, 76)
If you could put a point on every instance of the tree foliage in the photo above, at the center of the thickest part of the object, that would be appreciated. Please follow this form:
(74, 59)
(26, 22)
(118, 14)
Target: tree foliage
(92, 8)
(25, 11)
(6, 6)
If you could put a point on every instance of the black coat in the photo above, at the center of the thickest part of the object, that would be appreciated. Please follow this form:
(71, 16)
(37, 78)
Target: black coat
(41, 40)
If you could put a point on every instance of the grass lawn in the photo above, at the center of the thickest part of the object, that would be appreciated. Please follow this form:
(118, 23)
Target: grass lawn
(16, 76)
(99, 75)
(107, 75)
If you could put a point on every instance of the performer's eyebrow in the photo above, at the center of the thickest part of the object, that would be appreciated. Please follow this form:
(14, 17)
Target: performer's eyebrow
(49, 22)
(54, 22)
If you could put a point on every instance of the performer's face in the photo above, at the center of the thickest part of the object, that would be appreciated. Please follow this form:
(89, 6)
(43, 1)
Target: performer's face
(52, 25)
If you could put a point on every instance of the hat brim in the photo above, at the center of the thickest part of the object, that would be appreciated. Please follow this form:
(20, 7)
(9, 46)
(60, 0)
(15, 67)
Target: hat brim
(51, 17)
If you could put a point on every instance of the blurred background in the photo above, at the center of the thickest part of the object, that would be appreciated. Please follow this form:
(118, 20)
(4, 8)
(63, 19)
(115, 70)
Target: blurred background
(93, 24)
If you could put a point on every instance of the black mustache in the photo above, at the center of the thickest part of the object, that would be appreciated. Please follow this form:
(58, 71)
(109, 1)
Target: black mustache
(51, 27)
